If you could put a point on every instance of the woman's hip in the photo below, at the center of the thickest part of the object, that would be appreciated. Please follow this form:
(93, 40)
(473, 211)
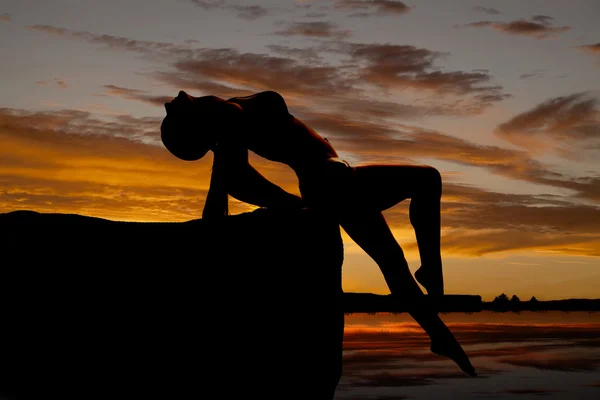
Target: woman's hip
(328, 186)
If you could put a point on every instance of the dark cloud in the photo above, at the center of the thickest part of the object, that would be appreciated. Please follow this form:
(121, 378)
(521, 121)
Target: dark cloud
(314, 29)
(538, 73)
(264, 72)
(209, 4)
(304, 6)
(248, 12)
(543, 19)
(539, 27)
(315, 15)
(220, 70)
(593, 49)
(486, 10)
(403, 66)
(386, 67)
(61, 83)
(566, 124)
(5, 17)
(379, 7)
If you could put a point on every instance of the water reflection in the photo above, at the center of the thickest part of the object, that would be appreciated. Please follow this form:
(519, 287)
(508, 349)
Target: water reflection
(525, 355)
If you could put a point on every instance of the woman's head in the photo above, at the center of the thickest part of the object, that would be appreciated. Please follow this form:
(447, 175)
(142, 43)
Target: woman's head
(191, 125)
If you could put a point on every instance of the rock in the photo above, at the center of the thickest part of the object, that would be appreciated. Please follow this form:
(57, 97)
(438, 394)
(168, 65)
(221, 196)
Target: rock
(247, 306)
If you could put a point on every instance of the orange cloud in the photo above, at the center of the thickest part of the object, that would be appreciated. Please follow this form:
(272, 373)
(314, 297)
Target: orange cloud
(403, 66)
(539, 27)
(568, 125)
(590, 48)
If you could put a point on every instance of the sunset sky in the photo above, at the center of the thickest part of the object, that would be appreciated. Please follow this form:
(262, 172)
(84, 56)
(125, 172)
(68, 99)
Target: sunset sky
(503, 97)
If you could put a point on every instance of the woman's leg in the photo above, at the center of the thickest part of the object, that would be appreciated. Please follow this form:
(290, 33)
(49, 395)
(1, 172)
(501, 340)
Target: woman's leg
(379, 187)
(370, 231)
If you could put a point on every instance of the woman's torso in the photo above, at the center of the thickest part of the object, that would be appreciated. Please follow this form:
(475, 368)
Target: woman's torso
(273, 133)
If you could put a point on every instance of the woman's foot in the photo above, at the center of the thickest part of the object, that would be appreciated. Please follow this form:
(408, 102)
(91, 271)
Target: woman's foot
(448, 346)
(431, 280)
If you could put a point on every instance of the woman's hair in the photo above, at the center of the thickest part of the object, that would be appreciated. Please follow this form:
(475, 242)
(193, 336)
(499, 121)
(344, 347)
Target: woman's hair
(190, 132)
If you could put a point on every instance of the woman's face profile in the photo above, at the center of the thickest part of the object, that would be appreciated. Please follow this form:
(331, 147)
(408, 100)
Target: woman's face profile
(190, 127)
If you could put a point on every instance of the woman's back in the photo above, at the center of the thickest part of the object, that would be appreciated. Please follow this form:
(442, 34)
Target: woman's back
(270, 131)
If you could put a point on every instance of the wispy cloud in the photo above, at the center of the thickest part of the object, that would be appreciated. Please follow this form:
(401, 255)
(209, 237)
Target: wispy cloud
(5, 17)
(590, 48)
(566, 124)
(296, 73)
(136, 94)
(403, 66)
(314, 29)
(119, 42)
(249, 12)
(486, 10)
(309, 55)
(373, 7)
(538, 73)
(61, 83)
(539, 27)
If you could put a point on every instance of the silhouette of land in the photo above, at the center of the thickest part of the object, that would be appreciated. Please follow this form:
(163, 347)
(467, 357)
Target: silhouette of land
(374, 303)
(92, 308)
(590, 305)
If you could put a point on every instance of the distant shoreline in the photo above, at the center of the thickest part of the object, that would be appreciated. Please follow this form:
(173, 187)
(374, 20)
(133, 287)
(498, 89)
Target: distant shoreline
(355, 303)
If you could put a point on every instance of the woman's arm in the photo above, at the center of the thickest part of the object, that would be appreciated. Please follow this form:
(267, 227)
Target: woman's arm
(217, 201)
(245, 183)
(248, 185)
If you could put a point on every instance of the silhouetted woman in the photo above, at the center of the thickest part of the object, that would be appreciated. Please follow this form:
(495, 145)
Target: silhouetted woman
(354, 196)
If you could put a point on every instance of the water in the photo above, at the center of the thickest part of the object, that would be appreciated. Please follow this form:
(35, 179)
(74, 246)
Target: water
(527, 355)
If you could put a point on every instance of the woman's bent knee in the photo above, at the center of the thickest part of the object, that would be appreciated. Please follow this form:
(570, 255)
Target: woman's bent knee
(432, 180)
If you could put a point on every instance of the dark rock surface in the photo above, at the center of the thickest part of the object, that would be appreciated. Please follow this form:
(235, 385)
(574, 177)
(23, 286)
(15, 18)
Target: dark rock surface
(243, 308)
